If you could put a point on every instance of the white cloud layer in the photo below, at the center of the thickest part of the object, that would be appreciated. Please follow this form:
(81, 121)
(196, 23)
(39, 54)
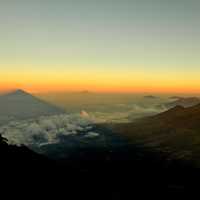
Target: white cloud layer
(128, 114)
(46, 130)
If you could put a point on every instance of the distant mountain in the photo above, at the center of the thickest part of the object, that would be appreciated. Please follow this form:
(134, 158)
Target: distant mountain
(185, 102)
(150, 97)
(175, 132)
(22, 105)
(175, 97)
(85, 92)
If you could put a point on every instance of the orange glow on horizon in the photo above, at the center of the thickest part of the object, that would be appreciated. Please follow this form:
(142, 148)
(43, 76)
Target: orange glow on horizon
(46, 88)
(97, 81)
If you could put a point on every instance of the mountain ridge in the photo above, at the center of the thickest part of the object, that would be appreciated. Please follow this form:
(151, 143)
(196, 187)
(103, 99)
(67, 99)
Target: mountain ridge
(175, 131)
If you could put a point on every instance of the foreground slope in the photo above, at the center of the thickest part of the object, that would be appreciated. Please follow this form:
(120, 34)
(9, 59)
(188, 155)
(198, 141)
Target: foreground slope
(95, 173)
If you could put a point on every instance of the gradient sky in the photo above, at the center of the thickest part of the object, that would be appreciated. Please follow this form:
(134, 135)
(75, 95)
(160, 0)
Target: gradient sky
(100, 45)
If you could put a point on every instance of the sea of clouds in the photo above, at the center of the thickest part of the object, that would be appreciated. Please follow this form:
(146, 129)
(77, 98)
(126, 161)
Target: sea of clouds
(47, 129)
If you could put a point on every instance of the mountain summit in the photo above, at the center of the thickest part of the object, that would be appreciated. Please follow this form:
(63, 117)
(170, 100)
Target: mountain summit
(18, 92)
(20, 104)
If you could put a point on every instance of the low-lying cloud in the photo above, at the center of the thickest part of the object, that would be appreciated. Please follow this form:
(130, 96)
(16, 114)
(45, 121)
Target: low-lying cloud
(49, 129)
(46, 130)
(128, 113)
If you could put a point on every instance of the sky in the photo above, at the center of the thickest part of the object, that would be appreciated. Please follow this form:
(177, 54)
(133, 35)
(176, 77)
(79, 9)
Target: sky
(100, 45)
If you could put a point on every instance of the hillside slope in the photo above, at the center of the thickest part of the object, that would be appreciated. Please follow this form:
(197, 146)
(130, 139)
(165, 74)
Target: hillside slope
(175, 132)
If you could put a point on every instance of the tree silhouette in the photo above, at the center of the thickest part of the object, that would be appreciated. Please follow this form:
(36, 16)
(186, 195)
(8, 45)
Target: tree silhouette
(3, 141)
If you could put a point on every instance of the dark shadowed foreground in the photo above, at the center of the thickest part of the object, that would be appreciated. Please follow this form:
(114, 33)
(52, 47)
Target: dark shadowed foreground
(95, 173)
